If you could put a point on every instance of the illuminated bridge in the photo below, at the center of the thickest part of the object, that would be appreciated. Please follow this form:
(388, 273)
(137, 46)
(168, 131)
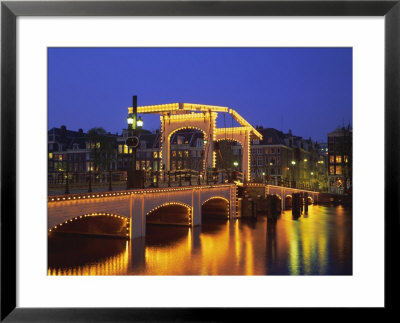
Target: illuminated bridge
(125, 213)
(282, 192)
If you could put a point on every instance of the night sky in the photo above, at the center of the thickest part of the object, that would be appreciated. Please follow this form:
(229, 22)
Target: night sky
(307, 90)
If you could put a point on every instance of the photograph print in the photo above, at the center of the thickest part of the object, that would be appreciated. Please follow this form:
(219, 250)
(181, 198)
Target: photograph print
(200, 161)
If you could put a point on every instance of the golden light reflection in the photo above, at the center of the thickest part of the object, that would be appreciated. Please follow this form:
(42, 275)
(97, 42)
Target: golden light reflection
(237, 242)
(310, 245)
(116, 265)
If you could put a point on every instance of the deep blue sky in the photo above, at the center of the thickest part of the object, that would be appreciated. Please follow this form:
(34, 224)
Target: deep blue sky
(308, 90)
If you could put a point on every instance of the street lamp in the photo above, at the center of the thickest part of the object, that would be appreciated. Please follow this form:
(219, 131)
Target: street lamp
(311, 180)
(133, 142)
(293, 180)
(235, 163)
(139, 123)
(130, 119)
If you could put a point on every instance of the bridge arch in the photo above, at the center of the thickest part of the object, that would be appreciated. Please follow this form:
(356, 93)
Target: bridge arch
(241, 135)
(230, 139)
(201, 165)
(215, 207)
(227, 154)
(204, 122)
(186, 128)
(170, 213)
(95, 223)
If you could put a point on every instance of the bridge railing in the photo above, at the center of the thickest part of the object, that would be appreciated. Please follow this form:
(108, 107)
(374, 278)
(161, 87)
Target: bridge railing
(80, 182)
(291, 184)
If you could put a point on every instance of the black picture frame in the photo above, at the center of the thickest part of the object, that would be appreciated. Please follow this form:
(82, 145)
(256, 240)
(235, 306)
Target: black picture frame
(10, 10)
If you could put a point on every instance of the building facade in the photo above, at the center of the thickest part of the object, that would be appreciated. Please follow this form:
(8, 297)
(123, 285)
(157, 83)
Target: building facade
(279, 158)
(340, 148)
(285, 159)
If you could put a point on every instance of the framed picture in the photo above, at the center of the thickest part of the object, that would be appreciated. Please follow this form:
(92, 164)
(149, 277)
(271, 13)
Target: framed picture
(39, 37)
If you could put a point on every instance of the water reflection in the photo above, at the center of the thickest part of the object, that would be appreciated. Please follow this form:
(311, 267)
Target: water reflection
(319, 243)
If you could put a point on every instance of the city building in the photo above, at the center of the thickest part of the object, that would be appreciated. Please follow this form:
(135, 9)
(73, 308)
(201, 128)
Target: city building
(279, 158)
(285, 159)
(340, 146)
(148, 153)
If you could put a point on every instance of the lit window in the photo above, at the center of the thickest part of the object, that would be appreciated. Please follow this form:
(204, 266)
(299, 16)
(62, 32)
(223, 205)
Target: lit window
(174, 153)
(186, 153)
(125, 149)
(331, 159)
(346, 159)
(50, 155)
(155, 154)
(120, 149)
(338, 159)
(338, 170)
(179, 153)
(332, 170)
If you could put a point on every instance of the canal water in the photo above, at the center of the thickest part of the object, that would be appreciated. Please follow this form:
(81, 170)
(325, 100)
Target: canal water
(319, 243)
